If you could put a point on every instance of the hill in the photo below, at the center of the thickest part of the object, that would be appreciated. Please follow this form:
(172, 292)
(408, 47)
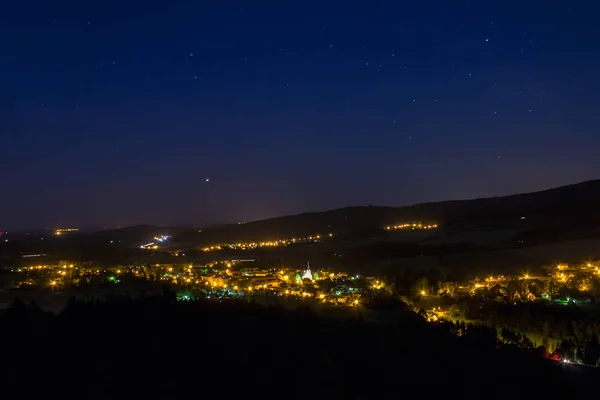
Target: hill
(110, 244)
(125, 345)
(573, 205)
(479, 232)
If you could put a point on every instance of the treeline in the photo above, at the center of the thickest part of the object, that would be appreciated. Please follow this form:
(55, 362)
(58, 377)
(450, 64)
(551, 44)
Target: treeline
(157, 347)
(571, 331)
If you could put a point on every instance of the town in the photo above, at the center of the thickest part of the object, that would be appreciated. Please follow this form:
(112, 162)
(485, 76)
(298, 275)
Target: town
(561, 284)
(220, 279)
(529, 304)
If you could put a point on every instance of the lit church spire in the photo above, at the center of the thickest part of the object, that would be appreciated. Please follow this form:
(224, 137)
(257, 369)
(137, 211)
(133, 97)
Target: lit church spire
(307, 274)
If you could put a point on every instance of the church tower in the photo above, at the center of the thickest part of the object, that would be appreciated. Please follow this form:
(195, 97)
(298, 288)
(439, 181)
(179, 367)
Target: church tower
(307, 274)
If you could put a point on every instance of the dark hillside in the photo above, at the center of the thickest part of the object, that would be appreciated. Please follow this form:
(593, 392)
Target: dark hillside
(574, 203)
(154, 347)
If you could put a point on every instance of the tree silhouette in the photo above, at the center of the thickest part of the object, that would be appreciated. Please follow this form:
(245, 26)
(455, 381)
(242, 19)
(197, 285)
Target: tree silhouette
(158, 346)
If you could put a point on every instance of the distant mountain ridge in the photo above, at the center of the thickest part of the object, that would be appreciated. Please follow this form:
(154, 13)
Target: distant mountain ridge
(571, 203)
(564, 213)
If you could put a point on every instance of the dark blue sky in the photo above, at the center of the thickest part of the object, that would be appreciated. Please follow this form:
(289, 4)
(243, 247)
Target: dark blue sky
(116, 112)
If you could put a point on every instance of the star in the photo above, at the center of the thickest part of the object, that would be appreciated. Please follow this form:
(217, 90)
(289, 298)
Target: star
(236, 97)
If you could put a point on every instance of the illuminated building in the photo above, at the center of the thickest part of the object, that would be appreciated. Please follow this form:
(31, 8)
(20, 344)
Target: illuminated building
(307, 274)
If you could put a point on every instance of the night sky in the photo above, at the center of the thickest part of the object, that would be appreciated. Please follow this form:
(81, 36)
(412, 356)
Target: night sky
(117, 112)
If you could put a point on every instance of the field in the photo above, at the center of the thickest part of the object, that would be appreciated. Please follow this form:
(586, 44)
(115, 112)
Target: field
(493, 256)
(487, 238)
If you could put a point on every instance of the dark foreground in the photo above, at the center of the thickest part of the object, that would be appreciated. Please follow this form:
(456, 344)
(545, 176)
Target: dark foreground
(156, 347)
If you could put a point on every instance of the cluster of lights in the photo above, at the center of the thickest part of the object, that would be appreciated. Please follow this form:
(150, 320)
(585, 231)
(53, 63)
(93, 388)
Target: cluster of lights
(582, 277)
(57, 273)
(57, 276)
(62, 231)
(52, 267)
(153, 245)
(413, 226)
(266, 244)
(563, 274)
(377, 285)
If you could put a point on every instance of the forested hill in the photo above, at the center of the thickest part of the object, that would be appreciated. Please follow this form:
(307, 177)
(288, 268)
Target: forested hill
(574, 203)
(156, 347)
